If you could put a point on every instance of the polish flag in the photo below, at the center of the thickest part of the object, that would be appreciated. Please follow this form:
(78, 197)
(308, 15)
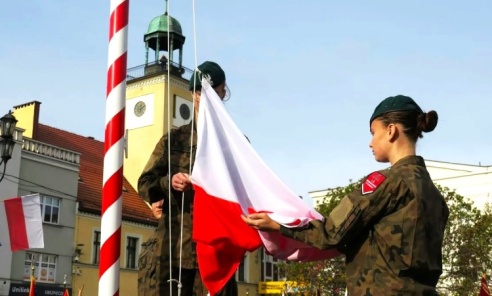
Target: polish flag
(24, 222)
(230, 180)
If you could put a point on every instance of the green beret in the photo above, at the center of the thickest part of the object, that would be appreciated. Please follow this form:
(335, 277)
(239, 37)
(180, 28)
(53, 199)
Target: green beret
(396, 103)
(211, 69)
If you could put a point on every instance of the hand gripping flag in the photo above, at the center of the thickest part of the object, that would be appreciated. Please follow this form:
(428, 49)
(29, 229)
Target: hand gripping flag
(24, 222)
(230, 179)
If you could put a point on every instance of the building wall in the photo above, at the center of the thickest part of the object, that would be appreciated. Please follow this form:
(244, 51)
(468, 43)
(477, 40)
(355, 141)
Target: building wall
(472, 182)
(252, 272)
(53, 178)
(9, 188)
(86, 273)
(145, 130)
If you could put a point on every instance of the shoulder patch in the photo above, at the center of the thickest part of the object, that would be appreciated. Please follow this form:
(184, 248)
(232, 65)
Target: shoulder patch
(372, 182)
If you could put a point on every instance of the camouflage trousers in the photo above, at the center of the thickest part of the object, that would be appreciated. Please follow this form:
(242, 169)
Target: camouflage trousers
(192, 285)
(153, 277)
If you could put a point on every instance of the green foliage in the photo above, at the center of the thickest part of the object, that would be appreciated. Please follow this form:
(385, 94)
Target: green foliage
(467, 250)
(327, 276)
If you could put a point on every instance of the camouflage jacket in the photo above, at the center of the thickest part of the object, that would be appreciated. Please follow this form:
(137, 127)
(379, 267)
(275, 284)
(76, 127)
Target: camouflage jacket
(154, 184)
(390, 229)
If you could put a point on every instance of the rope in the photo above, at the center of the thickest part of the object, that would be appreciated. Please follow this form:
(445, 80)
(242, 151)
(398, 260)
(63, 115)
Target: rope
(169, 125)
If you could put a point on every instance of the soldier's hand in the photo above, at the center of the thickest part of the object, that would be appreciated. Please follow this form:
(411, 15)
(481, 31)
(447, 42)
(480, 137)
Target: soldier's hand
(181, 182)
(261, 221)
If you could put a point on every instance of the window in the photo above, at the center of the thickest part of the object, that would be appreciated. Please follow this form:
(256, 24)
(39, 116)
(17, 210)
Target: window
(44, 266)
(269, 269)
(131, 252)
(242, 271)
(96, 246)
(50, 208)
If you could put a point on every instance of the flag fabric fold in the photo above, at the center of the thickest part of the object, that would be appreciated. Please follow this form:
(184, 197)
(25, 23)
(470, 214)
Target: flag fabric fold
(484, 288)
(24, 222)
(230, 179)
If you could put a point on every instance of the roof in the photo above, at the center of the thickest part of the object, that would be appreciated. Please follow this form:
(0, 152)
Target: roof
(89, 191)
(159, 24)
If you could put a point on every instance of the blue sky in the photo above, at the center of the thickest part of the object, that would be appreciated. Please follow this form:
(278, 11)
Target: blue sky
(305, 76)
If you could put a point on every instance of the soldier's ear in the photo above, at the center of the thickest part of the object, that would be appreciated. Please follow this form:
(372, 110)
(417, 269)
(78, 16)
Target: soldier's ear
(392, 132)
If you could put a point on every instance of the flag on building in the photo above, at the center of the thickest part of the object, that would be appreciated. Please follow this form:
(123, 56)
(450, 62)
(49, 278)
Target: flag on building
(230, 179)
(65, 293)
(32, 286)
(484, 288)
(24, 222)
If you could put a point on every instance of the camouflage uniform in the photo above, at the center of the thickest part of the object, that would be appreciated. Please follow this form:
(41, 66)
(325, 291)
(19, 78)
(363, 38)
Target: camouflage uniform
(390, 229)
(153, 184)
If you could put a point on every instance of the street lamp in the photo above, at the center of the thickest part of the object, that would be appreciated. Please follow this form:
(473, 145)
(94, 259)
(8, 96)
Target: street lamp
(7, 143)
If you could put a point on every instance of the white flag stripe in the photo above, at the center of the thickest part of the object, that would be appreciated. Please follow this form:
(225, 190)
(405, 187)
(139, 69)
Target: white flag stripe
(252, 183)
(34, 223)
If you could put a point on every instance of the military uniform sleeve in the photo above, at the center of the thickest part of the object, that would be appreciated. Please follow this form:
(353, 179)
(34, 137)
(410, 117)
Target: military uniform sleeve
(153, 183)
(355, 213)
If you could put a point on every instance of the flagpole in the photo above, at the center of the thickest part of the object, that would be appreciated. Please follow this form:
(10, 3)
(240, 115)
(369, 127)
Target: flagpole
(32, 266)
(109, 267)
(31, 286)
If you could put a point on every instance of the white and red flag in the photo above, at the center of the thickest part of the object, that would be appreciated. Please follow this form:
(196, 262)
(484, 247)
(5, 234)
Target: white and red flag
(24, 222)
(230, 179)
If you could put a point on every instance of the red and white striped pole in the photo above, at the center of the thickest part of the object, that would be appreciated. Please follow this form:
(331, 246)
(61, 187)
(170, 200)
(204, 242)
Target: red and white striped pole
(109, 263)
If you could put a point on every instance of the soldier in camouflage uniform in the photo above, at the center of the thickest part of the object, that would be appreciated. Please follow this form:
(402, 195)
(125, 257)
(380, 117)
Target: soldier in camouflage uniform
(171, 251)
(391, 228)
(146, 274)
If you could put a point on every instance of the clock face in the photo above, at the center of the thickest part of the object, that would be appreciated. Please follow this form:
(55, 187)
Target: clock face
(139, 109)
(184, 111)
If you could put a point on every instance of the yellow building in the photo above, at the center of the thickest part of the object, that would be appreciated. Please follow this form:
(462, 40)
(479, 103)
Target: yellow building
(137, 222)
(154, 90)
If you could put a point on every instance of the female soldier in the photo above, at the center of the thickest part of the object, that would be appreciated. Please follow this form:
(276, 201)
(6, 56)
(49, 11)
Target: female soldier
(391, 228)
(154, 183)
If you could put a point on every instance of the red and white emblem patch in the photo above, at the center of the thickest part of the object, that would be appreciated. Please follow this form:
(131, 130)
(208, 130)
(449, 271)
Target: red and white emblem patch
(372, 182)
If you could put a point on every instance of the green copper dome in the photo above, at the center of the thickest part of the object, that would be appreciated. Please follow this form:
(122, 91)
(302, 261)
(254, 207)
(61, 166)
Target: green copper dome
(159, 24)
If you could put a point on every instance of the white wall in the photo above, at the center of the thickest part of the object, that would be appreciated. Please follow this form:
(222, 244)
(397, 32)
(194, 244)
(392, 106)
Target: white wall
(8, 188)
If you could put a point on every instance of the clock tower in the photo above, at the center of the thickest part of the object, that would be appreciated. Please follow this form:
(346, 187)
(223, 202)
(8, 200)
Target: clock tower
(152, 96)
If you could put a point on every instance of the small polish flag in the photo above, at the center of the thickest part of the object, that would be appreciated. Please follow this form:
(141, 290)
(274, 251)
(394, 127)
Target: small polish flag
(24, 222)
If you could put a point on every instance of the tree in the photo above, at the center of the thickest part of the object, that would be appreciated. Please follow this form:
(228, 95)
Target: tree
(467, 247)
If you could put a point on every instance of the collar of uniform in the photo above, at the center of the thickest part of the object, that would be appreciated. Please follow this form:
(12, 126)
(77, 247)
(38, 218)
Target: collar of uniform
(412, 159)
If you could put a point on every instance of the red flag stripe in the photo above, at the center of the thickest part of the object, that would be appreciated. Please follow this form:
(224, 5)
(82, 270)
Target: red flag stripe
(16, 224)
